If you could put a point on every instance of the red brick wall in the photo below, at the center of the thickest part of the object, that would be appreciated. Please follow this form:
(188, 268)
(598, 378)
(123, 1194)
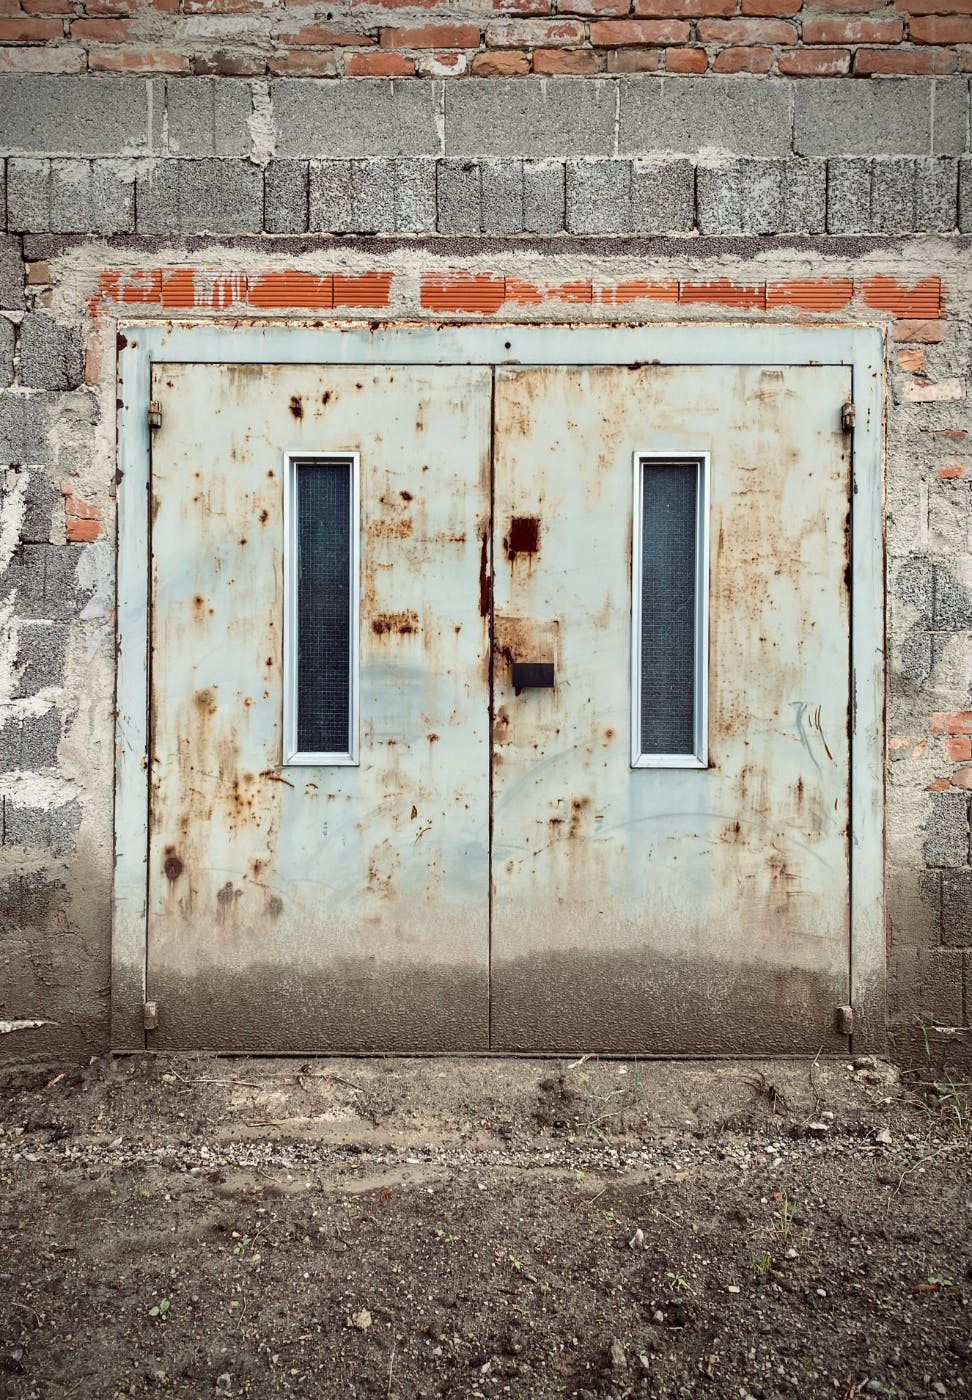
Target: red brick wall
(486, 38)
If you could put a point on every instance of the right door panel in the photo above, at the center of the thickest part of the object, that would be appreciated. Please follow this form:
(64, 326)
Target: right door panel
(671, 910)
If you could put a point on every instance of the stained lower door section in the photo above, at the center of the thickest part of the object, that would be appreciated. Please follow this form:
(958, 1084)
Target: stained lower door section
(670, 808)
(319, 823)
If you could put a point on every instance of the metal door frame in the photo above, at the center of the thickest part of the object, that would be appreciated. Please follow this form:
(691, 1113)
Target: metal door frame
(143, 346)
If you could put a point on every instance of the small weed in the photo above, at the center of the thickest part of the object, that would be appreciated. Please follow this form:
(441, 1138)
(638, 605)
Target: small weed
(761, 1263)
(242, 1244)
(677, 1280)
(939, 1281)
(159, 1309)
(785, 1227)
(6, 1180)
(612, 1217)
(446, 1238)
(514, 1263)
(579, 1176)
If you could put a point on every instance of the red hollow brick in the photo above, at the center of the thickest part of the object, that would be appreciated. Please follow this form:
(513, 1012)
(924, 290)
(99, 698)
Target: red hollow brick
(462, 292)
(743, 60)
(924, 299)
(724, 293)
(747, 31)
(368, 289)
(523, 293)
(291, 289)
(638, 289)
(432, 36)
(941, 29)
(820, 294)
(618, 33)
(815, 63)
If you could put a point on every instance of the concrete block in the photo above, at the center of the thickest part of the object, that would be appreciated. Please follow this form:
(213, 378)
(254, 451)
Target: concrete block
(892, 196)
(89, 116)
(848, 196)
(694, 116)
(285, 196)
(950, 517)
(912, 659)
(936, 196)
(11, 273)
(950, 117)
(834, 117)
(372, 196)
(946, 834)
(543, 196)
(957, 909)
(43, 577)
(41, 498)
(914, 899)
(940, 990)
(740, 196)
(41, 649)
(6, 352)
(953, 605)
(330, 196)
(335, 120)
(24, 422)
(53, 829)
(598, 196)
(913, 585)
(965, 195)
(51, 355)
(207, 117)
(459, 196)
(662, 196)
(804, 196)
(501, 196)
(532, 117)
(29, 742)
(200, 196)
(28, 901)
(415, 208)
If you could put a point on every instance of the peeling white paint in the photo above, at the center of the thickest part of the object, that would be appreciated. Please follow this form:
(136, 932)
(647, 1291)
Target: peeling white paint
(38, 790)
(8, 1027)
(13, 505)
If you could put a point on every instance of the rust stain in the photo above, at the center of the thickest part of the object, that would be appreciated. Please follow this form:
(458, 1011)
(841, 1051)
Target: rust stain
(401, 624)
(405, 495)
(390, 529)
(485, 586)
(578, 806)
(297, 406)
(524, 536)
(275, 906)
(173, 865)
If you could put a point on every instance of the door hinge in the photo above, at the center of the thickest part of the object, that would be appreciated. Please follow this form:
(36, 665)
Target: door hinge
(848, 417)
(844, 1020)
(150, 1016)
(155, 414)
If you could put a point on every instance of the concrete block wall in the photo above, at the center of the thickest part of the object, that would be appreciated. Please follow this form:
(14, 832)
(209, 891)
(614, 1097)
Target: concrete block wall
(616, 198)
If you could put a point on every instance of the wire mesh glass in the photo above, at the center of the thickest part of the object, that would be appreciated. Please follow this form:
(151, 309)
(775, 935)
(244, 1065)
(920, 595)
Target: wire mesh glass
(670, 503)
(323, 640)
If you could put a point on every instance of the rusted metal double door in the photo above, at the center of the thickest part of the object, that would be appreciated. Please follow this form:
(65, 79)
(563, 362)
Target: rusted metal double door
(487, 866)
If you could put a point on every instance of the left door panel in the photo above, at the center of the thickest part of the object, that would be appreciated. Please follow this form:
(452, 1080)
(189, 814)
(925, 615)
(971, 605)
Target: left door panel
(319, 907)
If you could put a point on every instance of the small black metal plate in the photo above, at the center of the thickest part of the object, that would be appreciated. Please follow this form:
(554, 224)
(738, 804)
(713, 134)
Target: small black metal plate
(533, 675)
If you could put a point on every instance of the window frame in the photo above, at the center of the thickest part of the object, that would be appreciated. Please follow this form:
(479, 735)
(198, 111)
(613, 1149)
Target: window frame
(293, 756)
(699, 758)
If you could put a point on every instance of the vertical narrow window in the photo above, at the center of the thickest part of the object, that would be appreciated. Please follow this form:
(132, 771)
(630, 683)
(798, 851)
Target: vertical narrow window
(321, 625)
(670, 611)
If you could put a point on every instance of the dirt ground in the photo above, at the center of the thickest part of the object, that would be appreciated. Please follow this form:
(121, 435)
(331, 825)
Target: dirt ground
(418, 1228)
